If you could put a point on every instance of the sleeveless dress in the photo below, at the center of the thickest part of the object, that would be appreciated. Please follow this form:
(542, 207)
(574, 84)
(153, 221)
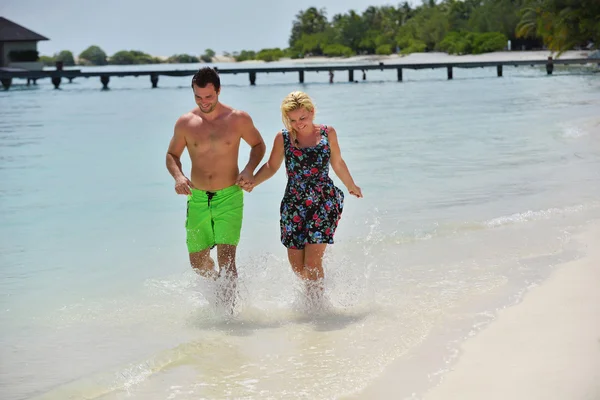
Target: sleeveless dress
(312, 205)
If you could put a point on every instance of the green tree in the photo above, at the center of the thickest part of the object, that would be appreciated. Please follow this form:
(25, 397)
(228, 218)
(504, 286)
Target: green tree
(381, 25)
(457, 26)
(384, 49)
(428, 27)
(314, 43)
(434, 28)
(338, 50)
(309, 22)
(244, 55)
(562, 24)
(496, 16)
(270, 54)
(208, 55)
(66, 57)
(132, 57)
(182, 59)
(93, 55)
(460, 12)
(47, 60)
(123, 57)
(350, 30)
(406, 11)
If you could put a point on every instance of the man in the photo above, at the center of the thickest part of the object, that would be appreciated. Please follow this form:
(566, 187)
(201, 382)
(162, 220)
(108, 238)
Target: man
(212, 133)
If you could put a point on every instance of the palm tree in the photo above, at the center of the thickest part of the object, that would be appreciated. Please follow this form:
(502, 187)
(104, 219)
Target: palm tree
(562, 24)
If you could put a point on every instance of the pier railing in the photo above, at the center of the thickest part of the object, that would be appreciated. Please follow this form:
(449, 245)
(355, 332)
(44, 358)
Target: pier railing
(57, 76)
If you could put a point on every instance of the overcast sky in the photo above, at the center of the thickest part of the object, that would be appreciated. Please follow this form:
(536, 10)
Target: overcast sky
(168, 27)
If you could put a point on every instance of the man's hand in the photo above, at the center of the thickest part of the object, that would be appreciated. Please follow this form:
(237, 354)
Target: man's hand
(183, 186)
(245, 180)
(248, 187)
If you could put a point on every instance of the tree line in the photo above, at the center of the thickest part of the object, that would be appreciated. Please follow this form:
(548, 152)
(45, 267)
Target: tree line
(94, 55)
(451, 26)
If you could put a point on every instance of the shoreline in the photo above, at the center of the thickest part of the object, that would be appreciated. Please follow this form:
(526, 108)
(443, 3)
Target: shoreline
(418, 58)
(546, 346)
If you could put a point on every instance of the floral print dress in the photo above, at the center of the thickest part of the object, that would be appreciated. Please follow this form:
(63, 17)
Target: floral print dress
(312, 205)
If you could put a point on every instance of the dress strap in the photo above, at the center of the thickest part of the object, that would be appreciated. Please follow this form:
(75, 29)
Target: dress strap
(286, 137)
(324, 130)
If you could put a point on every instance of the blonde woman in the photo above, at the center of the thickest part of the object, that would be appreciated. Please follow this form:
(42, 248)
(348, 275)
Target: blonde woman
(312, 205)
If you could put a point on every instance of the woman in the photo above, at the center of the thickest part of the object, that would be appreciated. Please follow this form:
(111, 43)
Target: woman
(312, 205)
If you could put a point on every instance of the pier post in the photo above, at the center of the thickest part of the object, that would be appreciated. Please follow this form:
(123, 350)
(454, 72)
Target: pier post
(154, 80)
(301, 76)
(549, 66)
(56, 79)
(34, 81)
(252, 78)
(28, 81)
(70, 80)
(399, 74)
(6, 82)
(499, 68)
(450, 75)
(104, 79)
(350, 75)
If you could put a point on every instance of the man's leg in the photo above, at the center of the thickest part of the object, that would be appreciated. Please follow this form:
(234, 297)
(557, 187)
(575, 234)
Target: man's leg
(227, 271)
(226, 258)
(199, 234)
(227, 209)
(203, 264)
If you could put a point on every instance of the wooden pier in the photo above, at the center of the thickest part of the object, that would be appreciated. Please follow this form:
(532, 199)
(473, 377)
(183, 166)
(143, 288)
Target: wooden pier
(57, 76)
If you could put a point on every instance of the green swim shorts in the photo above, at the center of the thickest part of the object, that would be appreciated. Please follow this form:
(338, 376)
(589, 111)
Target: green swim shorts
(214, 218)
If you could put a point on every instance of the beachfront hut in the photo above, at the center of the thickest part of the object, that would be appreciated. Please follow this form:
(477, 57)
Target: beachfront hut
(18, 46)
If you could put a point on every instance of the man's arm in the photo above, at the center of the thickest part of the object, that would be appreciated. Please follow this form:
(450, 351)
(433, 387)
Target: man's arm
(258, 148)
(176, 147)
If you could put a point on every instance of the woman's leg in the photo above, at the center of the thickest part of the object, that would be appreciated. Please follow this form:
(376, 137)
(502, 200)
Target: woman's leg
(313, 261)
(313, 270)
(307, 263)
(296, 258)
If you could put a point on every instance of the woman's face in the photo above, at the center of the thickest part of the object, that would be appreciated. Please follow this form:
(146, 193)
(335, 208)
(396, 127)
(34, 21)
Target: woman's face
(301, 120)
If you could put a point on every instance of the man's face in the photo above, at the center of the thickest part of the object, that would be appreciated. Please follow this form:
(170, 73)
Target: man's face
(206, 97)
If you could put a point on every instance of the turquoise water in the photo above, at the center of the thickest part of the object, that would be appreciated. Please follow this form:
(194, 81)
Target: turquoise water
(472, 187)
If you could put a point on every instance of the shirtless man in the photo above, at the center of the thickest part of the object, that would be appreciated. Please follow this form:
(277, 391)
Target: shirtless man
(211, 133)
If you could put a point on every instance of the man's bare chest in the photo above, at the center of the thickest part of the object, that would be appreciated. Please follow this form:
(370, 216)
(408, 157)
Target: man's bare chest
(212, 138)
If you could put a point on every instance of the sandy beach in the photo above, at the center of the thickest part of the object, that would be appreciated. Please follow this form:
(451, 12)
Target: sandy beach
(546, 347)
(415, 58)
(433, 57)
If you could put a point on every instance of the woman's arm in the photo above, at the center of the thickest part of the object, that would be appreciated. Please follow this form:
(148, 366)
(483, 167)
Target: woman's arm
(339, 165)
(272, 165)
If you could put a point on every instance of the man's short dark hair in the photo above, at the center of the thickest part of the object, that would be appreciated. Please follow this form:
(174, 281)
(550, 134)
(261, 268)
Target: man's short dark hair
(207, 75)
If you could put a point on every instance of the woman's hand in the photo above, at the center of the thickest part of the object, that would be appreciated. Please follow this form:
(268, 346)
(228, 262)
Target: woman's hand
(355, 191)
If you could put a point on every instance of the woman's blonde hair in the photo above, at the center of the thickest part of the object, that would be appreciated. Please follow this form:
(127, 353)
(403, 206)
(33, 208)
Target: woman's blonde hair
(292, 102)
